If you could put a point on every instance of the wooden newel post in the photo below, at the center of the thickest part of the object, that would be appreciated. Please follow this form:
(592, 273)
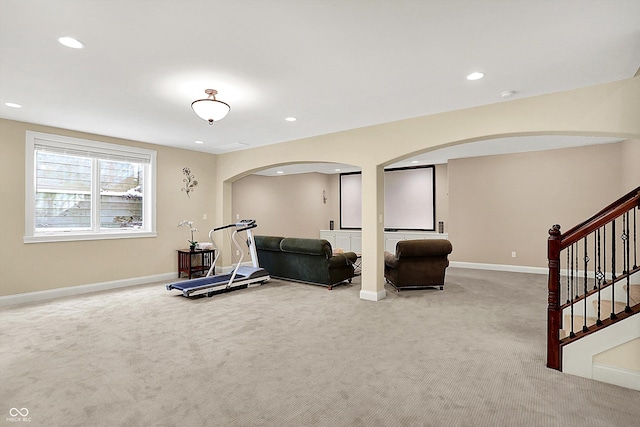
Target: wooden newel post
(554, 314)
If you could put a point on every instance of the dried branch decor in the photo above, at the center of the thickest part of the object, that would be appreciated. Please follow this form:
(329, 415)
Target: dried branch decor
(190, 181)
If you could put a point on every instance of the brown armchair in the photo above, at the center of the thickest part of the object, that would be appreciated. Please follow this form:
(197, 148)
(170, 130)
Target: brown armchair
(417, 264)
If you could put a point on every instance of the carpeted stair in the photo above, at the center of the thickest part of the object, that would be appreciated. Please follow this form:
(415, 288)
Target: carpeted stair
(634, 294)
(605, 310)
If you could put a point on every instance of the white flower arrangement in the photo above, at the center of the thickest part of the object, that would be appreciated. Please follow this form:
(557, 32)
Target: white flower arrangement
(192, 229)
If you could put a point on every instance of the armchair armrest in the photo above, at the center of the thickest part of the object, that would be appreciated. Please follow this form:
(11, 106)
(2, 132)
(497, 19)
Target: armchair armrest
(347, 258)
(351, 256)
(390, 260)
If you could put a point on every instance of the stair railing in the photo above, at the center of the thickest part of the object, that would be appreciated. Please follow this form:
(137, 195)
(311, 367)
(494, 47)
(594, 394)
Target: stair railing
(601, 255)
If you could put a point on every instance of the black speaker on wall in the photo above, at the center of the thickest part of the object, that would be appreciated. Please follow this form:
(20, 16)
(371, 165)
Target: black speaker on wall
(331, 225)
(441, 227)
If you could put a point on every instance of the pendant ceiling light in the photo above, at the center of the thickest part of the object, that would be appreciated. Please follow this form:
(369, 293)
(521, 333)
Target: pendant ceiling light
(210, 109)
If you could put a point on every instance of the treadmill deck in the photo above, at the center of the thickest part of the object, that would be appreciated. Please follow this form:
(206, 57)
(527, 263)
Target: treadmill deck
(211, 284)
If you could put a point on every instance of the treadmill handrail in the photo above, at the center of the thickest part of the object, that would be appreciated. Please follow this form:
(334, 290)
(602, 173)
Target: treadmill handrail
(223, 227)
(245, 224)
(249, 227)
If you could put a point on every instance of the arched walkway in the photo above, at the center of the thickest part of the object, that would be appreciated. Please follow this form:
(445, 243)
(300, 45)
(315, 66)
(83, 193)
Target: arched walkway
(605, 110)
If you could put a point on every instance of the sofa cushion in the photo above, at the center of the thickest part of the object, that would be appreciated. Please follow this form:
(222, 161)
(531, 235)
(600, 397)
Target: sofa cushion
(306, 246)
(423, 247)
(269, 243)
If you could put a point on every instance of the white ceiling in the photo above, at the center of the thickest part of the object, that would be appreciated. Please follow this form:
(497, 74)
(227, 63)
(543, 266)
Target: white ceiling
(333, 64)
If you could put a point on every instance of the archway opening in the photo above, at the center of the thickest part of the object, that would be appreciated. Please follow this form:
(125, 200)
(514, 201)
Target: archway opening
(292, 200)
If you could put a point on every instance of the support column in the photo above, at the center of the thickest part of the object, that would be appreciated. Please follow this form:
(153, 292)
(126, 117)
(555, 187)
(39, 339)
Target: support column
(372, 233)
(223, 216)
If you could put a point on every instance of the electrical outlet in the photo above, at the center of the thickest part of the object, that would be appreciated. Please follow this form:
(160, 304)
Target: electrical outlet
(513, 254)
(237, 216)
(204, 217)
(237, 253)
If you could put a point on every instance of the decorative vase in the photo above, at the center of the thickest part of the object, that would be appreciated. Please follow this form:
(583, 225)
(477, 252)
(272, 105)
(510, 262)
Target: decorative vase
(192, 248)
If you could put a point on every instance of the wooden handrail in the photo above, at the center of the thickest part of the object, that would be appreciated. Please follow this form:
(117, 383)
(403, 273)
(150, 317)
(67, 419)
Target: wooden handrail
(614, 210)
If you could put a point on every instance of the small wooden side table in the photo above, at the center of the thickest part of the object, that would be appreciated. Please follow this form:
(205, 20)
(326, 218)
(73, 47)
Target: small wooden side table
(192, 262)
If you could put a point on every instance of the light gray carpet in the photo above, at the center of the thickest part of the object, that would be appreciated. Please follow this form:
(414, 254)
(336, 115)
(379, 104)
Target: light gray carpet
(289, 354)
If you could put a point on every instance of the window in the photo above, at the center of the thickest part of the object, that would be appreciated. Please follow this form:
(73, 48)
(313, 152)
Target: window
(83, 190)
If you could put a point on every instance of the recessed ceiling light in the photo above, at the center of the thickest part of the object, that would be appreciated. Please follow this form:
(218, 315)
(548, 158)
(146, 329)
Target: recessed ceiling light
(71, 42)
(507, 93)
(280, 172)
(337, 170)
(475, 76)
(291, 119)
(415, 161)
(199, 142)
(12, 105)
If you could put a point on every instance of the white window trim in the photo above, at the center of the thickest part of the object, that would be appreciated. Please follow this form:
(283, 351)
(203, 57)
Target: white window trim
(31, 236)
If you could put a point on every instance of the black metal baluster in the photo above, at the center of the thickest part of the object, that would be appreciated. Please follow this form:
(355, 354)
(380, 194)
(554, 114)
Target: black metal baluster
(604, 253)
(625, 237)
(635, 242)
(568, 275)
(613, 269)
(572, 333)
(613, 250)
(599, 276)
(576, 285)
(586, 261)
(596, 253)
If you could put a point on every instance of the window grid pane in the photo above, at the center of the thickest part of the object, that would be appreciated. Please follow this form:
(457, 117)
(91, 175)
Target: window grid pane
(63, 192)
(121, 196)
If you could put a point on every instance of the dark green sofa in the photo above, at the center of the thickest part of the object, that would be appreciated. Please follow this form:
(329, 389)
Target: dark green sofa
(304, 260)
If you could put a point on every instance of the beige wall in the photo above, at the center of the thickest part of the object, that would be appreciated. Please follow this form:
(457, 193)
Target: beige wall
(43, 266)
(501, 204)
(288, 205)
(630, 165)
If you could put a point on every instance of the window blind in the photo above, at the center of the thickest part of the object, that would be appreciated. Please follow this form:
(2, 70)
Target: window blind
(95, 151)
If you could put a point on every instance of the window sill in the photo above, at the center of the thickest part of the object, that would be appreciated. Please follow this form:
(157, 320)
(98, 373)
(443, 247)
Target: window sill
(71, 237)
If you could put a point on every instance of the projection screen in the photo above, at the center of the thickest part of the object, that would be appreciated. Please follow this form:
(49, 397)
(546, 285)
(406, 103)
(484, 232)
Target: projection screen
(409, 199)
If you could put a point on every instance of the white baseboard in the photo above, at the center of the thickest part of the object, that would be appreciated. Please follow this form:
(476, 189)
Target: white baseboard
(616, 376)
(499, 267)
(28, 297)
(366, 295)
(373, 296)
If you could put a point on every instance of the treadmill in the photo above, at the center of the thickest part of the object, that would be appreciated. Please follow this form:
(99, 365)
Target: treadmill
(241, 276)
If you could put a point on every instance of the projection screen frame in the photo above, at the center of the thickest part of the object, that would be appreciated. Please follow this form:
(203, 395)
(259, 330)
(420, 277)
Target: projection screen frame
(351, 214)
